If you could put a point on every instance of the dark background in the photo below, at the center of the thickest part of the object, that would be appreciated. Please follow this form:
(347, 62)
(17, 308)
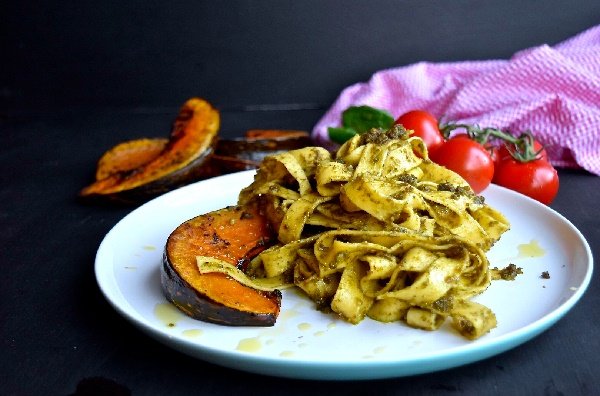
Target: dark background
(78, 77)
(240, 54)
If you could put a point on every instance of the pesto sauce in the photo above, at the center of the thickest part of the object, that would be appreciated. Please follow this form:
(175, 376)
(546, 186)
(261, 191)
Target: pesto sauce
(510, 272)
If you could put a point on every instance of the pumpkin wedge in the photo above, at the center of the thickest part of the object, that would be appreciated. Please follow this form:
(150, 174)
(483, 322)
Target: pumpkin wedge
(129, 155)
(258, 143)
(235, 235)
(238, 154)
(191, 142)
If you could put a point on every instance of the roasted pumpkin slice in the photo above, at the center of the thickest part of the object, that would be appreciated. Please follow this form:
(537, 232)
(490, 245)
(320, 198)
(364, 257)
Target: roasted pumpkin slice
(233, 235)
(238, 154)
(258, 143)
(129, 155)
(192, 140)
(278, 134)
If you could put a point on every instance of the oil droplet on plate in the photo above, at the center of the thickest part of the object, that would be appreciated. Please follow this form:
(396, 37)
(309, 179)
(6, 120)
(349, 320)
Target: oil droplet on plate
(167, 313)
(331, 325)
(379, 350)
(287, 314)
(249, 345)
(192, 333)
(287, 354)
(531, 249)
(304, 326)
(149, 247)
(319, 333)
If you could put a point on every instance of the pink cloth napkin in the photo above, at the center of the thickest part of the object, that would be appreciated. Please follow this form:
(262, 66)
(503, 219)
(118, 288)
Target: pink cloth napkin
(552, 91)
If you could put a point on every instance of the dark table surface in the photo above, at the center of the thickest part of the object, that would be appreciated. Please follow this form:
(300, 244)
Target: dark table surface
(71, 91)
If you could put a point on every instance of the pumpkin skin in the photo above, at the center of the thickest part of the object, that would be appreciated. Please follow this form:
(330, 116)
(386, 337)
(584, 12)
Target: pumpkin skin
(234, 234)
(192, 141)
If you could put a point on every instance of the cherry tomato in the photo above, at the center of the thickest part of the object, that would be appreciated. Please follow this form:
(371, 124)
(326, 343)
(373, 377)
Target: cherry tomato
(423, 125)
(467, 158)
(501, 153)
(537, 179)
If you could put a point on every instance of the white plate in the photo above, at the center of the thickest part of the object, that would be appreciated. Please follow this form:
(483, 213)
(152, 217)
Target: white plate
(306, 343)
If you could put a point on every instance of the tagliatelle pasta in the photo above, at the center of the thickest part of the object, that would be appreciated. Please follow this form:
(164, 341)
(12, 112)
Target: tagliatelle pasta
(378, 230)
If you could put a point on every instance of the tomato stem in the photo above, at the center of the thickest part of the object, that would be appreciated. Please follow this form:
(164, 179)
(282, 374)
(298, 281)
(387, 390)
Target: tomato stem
(521, 148)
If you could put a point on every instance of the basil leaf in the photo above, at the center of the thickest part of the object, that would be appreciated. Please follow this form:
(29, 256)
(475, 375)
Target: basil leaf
(363, 118)
(340, 135)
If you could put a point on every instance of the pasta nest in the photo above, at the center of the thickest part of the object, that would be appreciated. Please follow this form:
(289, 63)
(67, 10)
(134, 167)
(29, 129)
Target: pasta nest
(378, 230)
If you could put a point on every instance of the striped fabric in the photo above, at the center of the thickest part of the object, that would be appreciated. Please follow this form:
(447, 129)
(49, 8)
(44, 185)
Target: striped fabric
(552, 91)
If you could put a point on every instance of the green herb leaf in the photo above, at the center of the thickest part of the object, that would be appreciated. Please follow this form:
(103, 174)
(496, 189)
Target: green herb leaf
(340, 135)
(363, 118)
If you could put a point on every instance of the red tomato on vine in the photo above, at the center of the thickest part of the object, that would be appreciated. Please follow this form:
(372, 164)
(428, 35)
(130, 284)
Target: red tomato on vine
(502, 152)
(536, 179)
(467, 158)
(423, 125)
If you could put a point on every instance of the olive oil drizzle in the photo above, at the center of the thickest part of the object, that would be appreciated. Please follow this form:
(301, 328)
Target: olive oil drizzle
(168, 314)
(531, 249)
